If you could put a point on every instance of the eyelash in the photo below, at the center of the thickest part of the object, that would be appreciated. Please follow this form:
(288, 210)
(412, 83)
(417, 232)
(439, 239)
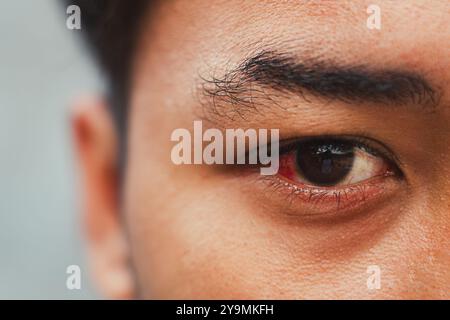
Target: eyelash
(330, 200)
(332, 197)
(370, 145)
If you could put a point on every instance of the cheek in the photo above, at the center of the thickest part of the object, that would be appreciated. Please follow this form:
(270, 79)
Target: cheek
(194, 235)
(189, 243)
(199, 238)
(188, 230)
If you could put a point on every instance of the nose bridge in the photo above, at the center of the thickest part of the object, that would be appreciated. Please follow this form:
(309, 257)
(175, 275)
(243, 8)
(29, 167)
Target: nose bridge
(439, 182)
(434, 268)
(435, 171)
(428, 225)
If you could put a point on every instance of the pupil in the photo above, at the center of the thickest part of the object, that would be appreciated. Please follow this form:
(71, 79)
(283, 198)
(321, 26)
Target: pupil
(325, 162)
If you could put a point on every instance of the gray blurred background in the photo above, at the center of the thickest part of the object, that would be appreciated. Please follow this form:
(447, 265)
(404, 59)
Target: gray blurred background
(42, 68)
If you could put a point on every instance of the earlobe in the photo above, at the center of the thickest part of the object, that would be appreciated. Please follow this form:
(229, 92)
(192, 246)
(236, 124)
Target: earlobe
(95, 141)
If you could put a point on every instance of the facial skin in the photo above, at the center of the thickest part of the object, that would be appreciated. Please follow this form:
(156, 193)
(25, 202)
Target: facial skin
(204, 231)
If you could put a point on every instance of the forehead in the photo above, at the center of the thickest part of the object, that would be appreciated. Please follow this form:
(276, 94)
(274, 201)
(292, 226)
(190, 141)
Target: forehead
(410, 30)
(184, 39)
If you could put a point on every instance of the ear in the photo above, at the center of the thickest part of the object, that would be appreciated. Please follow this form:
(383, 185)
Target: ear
(96, 147)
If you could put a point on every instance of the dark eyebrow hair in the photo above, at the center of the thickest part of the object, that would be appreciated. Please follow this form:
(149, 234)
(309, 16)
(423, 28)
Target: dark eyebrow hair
(350, 84)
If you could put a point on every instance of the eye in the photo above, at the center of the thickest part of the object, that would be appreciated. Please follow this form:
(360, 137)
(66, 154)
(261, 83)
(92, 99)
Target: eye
(328, 177)
(319, 177)
(327, 162)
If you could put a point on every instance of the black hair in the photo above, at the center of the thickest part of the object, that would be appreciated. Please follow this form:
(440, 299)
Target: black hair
(111, 29)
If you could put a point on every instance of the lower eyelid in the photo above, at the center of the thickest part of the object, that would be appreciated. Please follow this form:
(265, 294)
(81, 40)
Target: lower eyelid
(313, 202)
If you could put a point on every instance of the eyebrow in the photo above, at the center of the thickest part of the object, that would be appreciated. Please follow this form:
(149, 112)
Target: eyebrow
(350, 84)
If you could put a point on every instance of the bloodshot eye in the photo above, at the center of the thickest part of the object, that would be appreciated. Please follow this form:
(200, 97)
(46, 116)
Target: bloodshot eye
(328, 162)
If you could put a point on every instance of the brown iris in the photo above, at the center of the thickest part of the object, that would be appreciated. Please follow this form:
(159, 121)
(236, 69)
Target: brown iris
(324, 162)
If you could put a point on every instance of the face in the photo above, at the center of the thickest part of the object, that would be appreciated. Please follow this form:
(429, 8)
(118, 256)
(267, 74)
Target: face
(363, 188)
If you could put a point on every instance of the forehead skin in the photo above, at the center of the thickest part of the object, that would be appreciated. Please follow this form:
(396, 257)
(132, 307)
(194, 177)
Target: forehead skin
(337, 29)
(193, 234)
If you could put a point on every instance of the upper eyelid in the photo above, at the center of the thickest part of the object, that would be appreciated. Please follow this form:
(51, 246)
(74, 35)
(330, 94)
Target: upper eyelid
(377, 147)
